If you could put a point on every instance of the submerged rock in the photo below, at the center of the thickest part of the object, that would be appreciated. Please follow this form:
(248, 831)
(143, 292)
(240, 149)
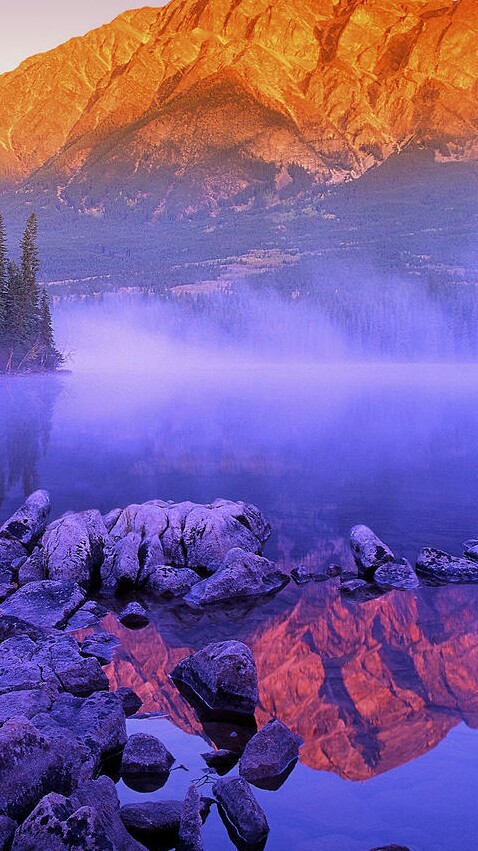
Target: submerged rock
(240, 808)
(100, 645)
(153, 821)
(47, 603)
(399, 575)
(29, 522)
(145, 754)
(223, 676)
(88, 615)
(269, 755)
(190, 826)
(368, 550)
(302, 574)
(221, 760)
(134, 616)
(130, 701)
(445, 568)
(241, 575)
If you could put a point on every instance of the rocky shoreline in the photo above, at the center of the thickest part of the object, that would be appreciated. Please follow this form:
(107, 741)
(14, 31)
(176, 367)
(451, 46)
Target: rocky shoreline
(60, 724)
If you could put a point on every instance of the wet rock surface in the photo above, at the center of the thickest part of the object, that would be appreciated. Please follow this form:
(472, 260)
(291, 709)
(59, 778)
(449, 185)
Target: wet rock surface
(190, 825)
(134, 616)
(241, 575)
(400, 575)
(48, 603)
(130, 701)
(145, 754)
(101, 646)
(443, 567)
(223, 676)
(241, 810)
(269, 754)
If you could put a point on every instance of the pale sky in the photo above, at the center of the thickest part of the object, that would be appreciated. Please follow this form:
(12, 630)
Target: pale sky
(32, 26)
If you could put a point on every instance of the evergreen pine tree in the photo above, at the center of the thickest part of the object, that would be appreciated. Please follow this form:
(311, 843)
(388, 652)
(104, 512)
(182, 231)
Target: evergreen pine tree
(50, 356)
(30, 291)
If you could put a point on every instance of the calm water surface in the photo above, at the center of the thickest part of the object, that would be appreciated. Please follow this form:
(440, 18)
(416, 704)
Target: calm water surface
(384, 693)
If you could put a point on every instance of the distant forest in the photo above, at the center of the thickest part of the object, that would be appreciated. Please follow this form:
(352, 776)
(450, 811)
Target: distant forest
(27, 343)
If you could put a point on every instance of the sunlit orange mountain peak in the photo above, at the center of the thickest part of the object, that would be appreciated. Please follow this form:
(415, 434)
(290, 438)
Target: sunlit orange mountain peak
(205, 101)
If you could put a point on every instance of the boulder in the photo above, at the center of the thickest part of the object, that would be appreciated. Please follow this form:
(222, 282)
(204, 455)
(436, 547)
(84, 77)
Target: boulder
(100, 645)
(34, 568)
(75, 674)
(223, 676)
(30, 767)
(47, 603)
(144, 754)
(396, 574)
(121, 568)
(190, 826)
(89, 819)
(368, 551)
(241, 810)
(444, 568)
(130, 701)
(269, 755)
(75, 547)
(97, 721)
(156, 822)
(241, 575)
(221, 760)
(303, 573)
(88, 615)
(145, 520)
(7, 584)
(12, 553)
(209, 533)
(134, 616)
(174, 551)
(471, 549)
(7, 829)
(168, 582)
(29, 522)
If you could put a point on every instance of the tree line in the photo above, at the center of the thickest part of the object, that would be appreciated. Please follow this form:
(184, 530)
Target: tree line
(27, 343)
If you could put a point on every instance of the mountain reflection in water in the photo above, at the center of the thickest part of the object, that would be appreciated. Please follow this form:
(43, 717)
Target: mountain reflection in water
(368, 686)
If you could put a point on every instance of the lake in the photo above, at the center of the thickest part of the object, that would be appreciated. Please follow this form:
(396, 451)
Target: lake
(384, 693)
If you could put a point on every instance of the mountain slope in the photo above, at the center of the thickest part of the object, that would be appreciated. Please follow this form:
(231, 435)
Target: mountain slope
(206, 101)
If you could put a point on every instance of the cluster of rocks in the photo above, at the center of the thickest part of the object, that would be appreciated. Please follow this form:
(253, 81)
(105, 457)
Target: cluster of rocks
(379, 570)
(204, 554)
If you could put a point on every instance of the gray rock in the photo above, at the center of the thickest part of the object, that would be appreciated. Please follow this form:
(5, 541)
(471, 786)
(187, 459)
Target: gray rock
(174, 551)
(7, 585)
(210, 533)
(269, 754)
(190, 827)
(130, 701)
(223, 676)
(151, 821)
(154, 822)
(144, 754)
(134, 616)
(471, 549)
(12, 553)
(89, 819)
(33, 569)
(120, 570)
(241, 810)
(112, 518)
(247, 515)
(221, 760)
(351, 586)
(84, 677)
(7, 829)
(442, 567)
(168, 582)
(29, 522)
(146, 520)
(368, 551)
(100, 645)
(26, 702)
(47, 604)
(75, 547)
(396, 575)
(29, 767)
(97, 721)
(302, 574)
(241, 575)
(88, 615)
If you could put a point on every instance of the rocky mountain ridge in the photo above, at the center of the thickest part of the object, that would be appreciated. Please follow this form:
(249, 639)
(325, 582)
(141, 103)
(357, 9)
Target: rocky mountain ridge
(202, 102)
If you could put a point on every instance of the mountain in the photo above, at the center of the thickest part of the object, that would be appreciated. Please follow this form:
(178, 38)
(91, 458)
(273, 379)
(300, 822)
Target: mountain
(207, 102)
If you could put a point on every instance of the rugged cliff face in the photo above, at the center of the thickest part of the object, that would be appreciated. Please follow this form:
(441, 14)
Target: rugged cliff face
(368, 686)
(204, 101)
